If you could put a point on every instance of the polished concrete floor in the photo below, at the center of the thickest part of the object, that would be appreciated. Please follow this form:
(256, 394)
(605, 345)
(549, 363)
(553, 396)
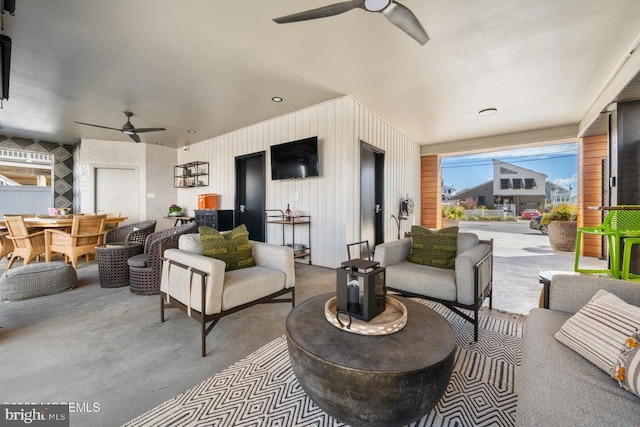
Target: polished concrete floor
(106, 352)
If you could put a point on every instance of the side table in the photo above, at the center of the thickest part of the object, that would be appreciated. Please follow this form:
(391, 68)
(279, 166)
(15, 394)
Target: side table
(112, 262)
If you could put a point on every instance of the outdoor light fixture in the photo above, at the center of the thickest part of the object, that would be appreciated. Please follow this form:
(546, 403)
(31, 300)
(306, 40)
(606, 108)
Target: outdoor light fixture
(277, 99)
(488, 111)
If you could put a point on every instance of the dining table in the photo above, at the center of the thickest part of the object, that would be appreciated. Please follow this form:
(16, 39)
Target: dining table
(63, 221)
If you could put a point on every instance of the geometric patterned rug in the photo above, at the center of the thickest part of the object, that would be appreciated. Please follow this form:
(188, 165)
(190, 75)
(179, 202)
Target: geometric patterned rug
(262, 390)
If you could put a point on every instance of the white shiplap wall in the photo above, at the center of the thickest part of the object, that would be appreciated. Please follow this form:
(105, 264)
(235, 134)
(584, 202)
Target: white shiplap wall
(332, 199)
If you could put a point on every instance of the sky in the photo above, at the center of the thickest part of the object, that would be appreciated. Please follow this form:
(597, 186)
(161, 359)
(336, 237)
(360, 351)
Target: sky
(559, 162)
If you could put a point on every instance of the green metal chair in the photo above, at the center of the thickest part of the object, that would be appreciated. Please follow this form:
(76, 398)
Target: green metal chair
(626, 259)
(618, 224)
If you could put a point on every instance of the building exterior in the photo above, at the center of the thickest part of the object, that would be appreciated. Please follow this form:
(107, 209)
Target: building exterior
(516, 185)
(448, 192)
(515, 188)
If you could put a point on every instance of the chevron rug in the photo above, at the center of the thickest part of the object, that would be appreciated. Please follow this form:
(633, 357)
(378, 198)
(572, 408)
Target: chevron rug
(261, 390)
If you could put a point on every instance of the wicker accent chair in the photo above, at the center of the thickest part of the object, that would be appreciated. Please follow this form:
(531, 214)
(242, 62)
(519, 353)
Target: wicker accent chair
(87, 232)
(6, 245)
(137, 232)
(145, 269)
(26, 245)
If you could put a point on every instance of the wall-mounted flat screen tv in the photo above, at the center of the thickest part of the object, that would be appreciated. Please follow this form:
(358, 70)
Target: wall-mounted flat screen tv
(296, 159)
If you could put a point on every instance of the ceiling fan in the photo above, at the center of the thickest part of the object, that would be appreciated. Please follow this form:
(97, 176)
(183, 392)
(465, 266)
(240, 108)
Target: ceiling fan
(127, 128)
(399, 15)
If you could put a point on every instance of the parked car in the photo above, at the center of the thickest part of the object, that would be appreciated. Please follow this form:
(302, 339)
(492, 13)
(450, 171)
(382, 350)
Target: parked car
(535, 224)
(529, 213)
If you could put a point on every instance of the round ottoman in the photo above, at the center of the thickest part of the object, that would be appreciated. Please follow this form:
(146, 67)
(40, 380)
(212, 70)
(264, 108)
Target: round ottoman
(36, 280)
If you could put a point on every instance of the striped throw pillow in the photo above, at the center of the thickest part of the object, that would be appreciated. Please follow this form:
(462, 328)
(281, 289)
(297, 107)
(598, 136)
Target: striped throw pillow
(628, 367)
(599, 330)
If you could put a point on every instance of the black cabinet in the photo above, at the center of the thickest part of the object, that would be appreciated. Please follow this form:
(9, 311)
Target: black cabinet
(221, 220)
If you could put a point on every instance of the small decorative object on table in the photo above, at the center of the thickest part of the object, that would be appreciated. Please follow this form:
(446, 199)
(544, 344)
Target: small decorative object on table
(287, 214)
(391, 320)
(175, 210)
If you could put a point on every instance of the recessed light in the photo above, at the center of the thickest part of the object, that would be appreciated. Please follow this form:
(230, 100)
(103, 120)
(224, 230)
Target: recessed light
(488, 112)
(277, 99)
(191, 130)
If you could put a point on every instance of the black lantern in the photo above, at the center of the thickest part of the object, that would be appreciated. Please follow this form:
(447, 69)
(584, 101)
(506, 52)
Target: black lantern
(360, 287)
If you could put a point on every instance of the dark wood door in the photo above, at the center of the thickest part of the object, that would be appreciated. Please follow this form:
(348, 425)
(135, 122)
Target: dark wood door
(250, 194)
(371, 196)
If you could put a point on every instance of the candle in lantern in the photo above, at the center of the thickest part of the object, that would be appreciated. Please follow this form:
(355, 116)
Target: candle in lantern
(353, 297)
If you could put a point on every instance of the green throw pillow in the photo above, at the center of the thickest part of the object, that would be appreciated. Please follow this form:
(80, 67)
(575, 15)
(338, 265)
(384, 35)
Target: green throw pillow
(434, 248)
(231, 247)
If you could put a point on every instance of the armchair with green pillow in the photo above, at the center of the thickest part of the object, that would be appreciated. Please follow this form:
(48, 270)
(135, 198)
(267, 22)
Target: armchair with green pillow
(231, 271)
(452, 268)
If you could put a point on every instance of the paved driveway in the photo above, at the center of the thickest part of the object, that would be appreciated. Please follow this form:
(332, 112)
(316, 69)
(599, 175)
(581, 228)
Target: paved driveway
(519, 255)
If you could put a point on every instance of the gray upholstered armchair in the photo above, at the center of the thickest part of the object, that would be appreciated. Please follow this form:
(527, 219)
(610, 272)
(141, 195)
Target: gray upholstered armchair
(465, 287)
(187, 275)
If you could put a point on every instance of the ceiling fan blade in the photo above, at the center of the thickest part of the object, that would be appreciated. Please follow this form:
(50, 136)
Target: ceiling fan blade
(135, 137)
(98, 126)
(140, 130)
(404, 19)
(321, 12)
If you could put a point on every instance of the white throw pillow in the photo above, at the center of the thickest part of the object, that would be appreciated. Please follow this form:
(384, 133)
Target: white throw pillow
(599, 330)
(628, 366)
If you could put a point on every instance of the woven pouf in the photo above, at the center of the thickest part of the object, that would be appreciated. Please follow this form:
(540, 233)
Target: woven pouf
(36, 280)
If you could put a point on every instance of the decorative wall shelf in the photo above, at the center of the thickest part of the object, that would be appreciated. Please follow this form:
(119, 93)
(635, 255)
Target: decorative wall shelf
(193, 174)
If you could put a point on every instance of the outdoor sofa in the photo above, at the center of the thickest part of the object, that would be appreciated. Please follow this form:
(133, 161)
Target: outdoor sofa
(557, 386)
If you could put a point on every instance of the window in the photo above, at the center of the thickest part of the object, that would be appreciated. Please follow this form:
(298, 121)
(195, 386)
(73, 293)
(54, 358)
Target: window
(517, 183)
(25, 168)
(530, 183)
(505, 171)
(505, 184)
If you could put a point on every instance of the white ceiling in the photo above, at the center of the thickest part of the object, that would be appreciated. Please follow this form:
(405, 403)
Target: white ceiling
(214, 65)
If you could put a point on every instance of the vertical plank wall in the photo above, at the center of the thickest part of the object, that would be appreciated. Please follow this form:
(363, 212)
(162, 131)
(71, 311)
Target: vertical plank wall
(332, 199)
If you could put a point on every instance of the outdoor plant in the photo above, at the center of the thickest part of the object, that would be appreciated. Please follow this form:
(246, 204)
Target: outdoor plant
(561, 212)
(454, 212)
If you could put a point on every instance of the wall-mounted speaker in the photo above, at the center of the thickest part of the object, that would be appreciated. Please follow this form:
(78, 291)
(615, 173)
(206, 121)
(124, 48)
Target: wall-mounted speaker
(5, 65)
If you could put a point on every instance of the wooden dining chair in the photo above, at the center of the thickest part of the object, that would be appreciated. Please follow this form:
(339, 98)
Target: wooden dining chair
(86, 233)
(6, 245)
(110, 225)
(26, 244)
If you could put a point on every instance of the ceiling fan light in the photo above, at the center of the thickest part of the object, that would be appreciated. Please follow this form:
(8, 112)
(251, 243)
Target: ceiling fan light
(488, 111)
(128, 132)
(376, 5)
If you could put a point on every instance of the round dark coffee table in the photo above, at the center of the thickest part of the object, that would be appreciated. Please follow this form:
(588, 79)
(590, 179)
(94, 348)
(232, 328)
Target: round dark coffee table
(371, 380)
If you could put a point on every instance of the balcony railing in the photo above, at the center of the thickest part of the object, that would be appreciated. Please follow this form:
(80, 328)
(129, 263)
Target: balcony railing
(22, 156)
